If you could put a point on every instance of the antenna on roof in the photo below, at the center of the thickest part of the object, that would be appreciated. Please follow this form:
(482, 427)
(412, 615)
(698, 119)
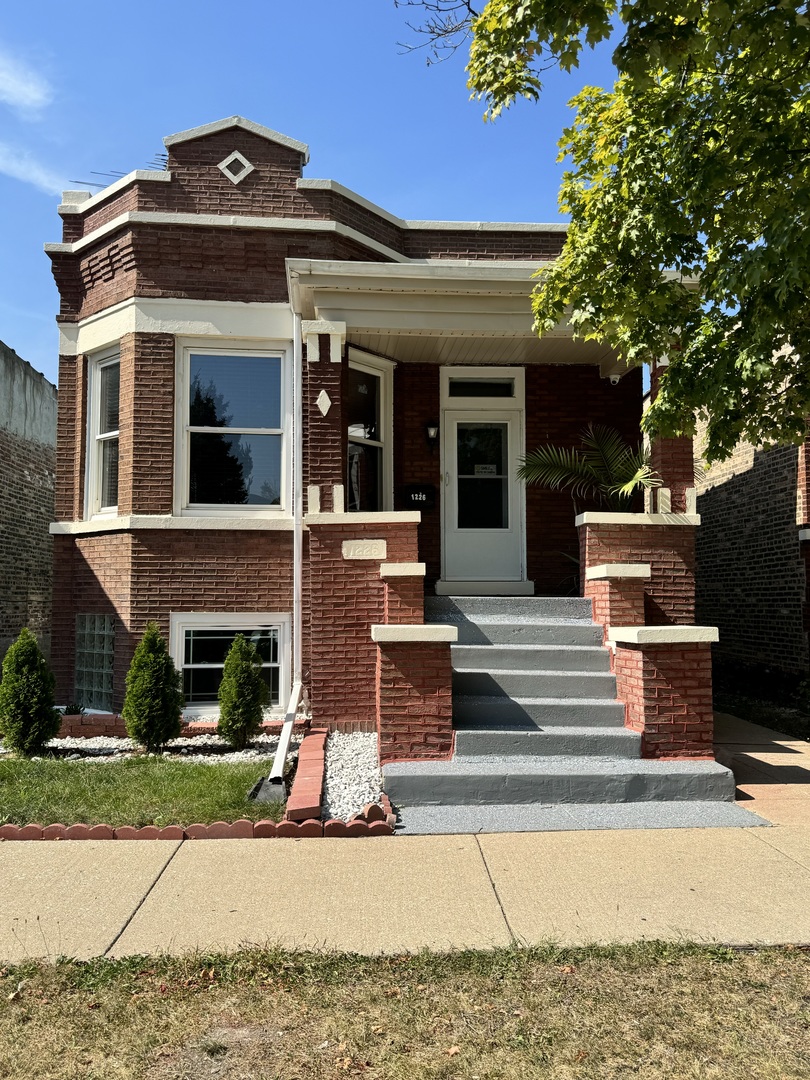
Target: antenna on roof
(160, 161)
(114, 175)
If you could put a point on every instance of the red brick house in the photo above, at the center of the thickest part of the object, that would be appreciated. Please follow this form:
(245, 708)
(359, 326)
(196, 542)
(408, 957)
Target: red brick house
(284, 410)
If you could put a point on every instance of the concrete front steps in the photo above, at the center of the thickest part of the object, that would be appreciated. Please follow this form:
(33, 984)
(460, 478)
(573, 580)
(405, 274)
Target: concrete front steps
(538, 727)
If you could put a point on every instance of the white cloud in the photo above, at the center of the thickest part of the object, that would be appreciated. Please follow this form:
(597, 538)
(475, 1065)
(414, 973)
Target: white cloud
(21, 86)
(21, 166)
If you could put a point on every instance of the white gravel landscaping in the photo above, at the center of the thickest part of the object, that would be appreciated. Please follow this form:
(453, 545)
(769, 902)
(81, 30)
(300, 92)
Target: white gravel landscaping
(202, 749)
(353, 775)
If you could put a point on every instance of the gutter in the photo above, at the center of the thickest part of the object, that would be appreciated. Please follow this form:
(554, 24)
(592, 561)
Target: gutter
(276, 776)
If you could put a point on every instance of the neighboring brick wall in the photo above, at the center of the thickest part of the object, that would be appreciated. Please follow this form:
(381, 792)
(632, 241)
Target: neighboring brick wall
(751, 576)
(670, 551)
(27, 464)
(414, 701)
(667, 691)
(346, 597)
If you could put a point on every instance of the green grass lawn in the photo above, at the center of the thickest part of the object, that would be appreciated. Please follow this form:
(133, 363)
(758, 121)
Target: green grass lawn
(654, 1012)
(137, 791)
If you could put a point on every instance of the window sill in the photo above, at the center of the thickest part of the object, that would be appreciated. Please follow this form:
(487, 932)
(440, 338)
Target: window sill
(244, 522)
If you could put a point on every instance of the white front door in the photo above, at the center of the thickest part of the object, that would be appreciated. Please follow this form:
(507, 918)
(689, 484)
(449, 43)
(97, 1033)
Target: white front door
(482, 505)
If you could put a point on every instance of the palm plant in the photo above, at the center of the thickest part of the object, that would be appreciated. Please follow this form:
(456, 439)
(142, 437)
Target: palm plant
(606, 470)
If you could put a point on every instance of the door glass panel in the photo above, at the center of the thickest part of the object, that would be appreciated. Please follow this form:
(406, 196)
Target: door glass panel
(364, 487)
(482, 456)
(363, 405)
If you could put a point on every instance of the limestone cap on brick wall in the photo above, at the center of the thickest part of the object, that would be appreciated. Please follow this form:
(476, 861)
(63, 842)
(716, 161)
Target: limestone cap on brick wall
(391, 633)
(606, 571)
(662, 635)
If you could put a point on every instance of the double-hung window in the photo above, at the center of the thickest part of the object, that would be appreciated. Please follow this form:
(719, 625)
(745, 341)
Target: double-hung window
(369, 479)
(102, 471)
(234, 416)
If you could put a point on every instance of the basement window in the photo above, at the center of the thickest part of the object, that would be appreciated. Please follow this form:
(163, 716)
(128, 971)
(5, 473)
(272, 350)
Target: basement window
(200, 644)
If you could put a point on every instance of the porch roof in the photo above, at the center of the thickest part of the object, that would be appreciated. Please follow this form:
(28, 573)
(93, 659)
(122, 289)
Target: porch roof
(442, 311)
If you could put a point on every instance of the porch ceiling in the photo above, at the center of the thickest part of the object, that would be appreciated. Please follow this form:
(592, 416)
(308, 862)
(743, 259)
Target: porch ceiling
(441, 311)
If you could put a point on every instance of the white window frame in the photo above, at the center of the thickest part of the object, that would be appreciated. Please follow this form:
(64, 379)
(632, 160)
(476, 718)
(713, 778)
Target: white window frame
(182, 464)
(383, 370)
(180, 621)
(94, 441)
(486, 374)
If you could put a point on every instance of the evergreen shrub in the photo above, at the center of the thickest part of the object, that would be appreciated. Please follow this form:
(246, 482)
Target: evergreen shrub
(154, 698)
(28, 718)
(242, 694)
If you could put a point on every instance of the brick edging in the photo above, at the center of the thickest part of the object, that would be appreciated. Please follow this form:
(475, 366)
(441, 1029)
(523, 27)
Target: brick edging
(218, 830)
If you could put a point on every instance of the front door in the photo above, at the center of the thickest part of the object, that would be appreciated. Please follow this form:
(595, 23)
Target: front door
(482, 505)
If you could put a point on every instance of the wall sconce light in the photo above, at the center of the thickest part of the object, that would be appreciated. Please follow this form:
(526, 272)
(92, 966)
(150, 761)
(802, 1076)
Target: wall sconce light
(432, 434)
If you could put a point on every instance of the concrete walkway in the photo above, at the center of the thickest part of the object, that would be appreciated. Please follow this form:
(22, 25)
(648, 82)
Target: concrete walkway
(396, 894)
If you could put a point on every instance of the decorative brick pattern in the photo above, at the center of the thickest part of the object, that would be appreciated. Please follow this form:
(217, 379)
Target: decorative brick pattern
(414, 701)
(667, 691)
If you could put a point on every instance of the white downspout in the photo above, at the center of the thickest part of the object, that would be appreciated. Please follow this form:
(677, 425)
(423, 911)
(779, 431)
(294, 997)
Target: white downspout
(277, 772)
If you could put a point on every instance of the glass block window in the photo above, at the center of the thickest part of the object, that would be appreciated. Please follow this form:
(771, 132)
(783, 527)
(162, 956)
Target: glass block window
(204, 652)
(95, 641)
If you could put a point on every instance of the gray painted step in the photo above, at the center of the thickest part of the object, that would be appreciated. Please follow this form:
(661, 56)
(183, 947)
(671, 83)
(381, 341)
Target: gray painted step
(567, 817)
(498, 780)
(501, 630)
(472, 710)
(577, 741)
(455, 608)
(517, 683)
(530, 657)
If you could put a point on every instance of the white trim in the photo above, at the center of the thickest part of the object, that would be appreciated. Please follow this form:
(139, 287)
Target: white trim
(393, 517)
(322, 326)
(382, 369)
(305, 184)
(338, 499)
(596, 517)
(83, 205)
(222, 221)
(93, 444)
(134, 522)
(189, 318)
(248, 168)
(489, 373)
(180, 621)
(230, 122)
(426, 632)
(662, 635)
(607, 571)
(402, 569)
(183, 348)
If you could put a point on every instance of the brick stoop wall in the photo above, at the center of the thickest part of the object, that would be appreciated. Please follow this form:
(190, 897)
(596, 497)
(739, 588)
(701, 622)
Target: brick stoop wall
(667, 691)
(414, 701)
(665, 685)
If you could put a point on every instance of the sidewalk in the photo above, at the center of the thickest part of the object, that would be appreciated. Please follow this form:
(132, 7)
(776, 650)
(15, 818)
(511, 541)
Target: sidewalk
(396, 894)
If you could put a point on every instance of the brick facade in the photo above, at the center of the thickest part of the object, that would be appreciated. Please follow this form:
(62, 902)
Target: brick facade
(751, 565)
(667, 691)
(27, 465)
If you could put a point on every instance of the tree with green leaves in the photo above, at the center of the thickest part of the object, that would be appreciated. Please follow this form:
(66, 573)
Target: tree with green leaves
(242, 694)
(606, 470)
(154, 699)
(28, 719)
(688, 193)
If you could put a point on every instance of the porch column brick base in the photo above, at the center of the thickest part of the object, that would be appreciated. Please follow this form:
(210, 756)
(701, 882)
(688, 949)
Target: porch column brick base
(667, 694)
(414, 701)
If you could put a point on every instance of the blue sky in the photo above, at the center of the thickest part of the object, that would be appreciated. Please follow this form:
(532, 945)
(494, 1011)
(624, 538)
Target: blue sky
(97, 87)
